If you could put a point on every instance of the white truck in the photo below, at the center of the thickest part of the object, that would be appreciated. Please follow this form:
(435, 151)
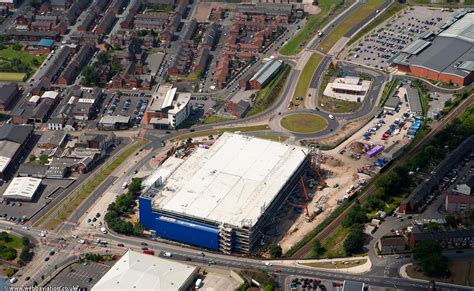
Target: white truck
(167, 254)
(103, 230)
(198, 283)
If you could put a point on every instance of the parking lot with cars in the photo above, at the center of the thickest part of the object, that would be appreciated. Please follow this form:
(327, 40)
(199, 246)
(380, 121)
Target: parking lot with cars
(85, 275)
(307, 284)
(390, 38)
(126, 104)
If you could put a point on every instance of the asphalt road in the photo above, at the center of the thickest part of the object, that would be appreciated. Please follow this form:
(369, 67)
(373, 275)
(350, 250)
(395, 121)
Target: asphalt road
(91, 199)
(367, 19)
(333, 24)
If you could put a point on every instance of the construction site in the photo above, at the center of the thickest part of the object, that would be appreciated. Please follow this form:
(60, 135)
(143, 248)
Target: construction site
(239, 194)
(230, 196)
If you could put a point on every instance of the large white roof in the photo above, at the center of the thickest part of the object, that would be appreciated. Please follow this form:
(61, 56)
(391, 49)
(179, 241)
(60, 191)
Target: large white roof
(22, 188)
(4, 162)
(462, 29)
(136, 271)
(233, 182)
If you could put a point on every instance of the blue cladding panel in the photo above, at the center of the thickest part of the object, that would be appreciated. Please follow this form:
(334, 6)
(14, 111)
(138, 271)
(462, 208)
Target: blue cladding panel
(178, 229)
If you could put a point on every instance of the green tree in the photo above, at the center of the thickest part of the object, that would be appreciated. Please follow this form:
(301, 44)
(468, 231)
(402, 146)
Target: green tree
(4, 236)
(356, 215)
(432, 262)
(354, 242)
(103, 58)
(136, 185)
(275, 250)
(317, 249)
(90, 77)
(432, 226)
(25, 254)
(7, 253)
(25, 241)
(32, 158)
(35, 62)
(451, 220)
(17, 47)
(448, 103)
(43, 159)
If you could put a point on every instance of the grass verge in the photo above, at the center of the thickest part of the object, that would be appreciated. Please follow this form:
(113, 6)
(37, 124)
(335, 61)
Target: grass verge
(387, 91)
(218, 131)
(214, 119)
(334, 105)
(389, 12)
(274, 137)
(15, 242)
(66, 207)
(271, 92)
(15, 77)
(337, 264)
(348, 23)
(304, 123)
(305, 34)
(305, 78)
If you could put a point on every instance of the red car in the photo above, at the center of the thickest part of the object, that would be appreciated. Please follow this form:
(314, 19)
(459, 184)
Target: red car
(149, 252)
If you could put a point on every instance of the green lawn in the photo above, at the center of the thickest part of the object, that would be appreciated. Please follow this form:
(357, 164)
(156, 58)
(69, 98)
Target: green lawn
(304, 123)
(270, 93)
(334, 246)
(315, 22)
(214, 119)
(10, 53)
(15, 71)
(15, 77)
(218, 131)
(67, 206)
(305, 78)
(350, 21)
(389, 12)
(274, 137)
(337, 264)
(338, 106)
(14, 243)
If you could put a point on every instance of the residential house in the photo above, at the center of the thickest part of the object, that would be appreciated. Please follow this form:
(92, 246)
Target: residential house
(461, 238)
(60, 4)
(106, 22)
(8, 94)
(459, 203)
(391, 245)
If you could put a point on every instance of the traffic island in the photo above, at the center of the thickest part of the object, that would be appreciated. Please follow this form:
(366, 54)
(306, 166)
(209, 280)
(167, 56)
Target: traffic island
(304, 123)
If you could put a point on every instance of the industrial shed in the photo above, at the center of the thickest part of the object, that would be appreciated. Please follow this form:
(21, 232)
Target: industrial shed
(22, 188)
(221, 198)
(114, 122)
(265, 74)
(136, 271)
(448, 58)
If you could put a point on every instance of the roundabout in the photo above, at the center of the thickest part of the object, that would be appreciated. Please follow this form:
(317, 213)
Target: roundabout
(304, 123)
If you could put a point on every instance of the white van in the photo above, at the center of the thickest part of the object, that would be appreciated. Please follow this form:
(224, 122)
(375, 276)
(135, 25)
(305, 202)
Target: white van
(125, 185)
(103, 230)
(167, 254)
(198, 283)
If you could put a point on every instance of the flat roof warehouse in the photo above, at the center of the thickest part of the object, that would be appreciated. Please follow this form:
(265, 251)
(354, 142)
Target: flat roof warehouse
(448, 57)
(232, 182)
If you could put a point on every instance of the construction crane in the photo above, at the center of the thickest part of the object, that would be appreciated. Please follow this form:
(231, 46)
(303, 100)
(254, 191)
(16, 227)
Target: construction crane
(305, 191)
(315, 165)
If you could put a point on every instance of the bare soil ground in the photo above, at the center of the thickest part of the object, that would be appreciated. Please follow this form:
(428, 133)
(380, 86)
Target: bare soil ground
(204, 9)
(341, 171)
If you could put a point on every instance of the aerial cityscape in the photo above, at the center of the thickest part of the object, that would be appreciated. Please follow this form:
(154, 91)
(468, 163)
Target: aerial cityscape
(237, 145)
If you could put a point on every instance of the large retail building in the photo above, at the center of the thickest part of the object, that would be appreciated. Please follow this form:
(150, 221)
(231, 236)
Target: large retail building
(222, 197)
